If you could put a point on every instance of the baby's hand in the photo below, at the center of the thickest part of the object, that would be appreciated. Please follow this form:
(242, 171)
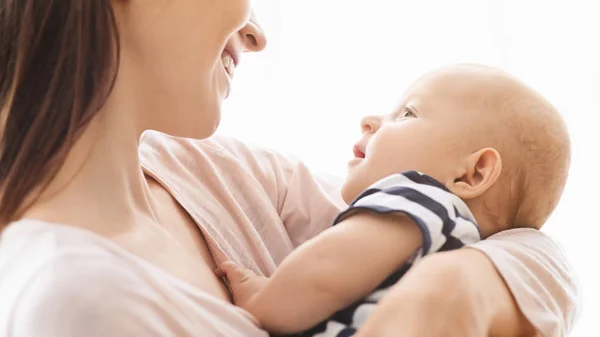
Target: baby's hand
(243, 283)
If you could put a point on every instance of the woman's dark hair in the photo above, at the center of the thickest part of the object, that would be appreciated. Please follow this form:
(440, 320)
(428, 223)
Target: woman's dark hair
(58, 64)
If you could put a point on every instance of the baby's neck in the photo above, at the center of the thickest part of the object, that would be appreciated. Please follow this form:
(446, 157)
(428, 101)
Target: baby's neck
(491, 219)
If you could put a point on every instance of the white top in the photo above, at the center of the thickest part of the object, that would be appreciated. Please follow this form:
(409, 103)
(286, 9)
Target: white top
(60, 281)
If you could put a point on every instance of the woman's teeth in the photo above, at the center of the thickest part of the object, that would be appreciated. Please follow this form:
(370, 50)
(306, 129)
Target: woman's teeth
(228, 64)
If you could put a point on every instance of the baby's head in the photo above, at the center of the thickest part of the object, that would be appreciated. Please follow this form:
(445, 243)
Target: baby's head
(489, 138)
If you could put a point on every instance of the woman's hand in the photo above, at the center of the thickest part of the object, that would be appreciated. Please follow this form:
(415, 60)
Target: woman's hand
(456, 293)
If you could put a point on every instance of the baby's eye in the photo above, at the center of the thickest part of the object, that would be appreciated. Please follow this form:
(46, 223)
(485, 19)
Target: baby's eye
(406, 113)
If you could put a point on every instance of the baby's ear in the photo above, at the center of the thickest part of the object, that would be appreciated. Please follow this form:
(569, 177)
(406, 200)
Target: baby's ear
(480, 171)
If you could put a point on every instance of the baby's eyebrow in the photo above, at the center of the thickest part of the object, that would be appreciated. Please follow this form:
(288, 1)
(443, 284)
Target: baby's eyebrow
(401, 109)
(398, 111)
(413, 109)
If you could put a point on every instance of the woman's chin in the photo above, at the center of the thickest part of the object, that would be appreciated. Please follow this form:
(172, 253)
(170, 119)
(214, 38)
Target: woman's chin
(203, 124)
(208, 129)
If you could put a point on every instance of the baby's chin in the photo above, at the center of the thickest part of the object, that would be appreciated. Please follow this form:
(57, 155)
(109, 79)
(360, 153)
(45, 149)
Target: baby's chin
(355, 184)
(347, 194)
(351, 189)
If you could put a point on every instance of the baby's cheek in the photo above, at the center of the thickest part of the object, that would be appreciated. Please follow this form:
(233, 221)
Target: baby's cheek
(392, 155)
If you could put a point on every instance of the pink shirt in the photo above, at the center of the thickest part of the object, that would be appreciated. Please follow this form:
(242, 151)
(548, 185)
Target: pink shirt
(253, 206)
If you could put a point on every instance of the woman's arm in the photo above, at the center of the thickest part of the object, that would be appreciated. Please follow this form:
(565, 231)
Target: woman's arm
(449, 294)
(516, 283)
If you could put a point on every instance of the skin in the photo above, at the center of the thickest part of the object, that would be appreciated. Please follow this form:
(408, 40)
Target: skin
(481, 303)
(435, 131)
(171, 79)
(315, 280)
(472, 126)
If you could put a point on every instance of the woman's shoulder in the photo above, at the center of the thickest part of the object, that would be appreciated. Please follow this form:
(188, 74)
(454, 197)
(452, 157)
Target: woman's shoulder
(39, 253)
(27, 245)
(49, 272)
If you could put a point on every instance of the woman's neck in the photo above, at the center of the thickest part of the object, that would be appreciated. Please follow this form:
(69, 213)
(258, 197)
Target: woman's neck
(100, 186)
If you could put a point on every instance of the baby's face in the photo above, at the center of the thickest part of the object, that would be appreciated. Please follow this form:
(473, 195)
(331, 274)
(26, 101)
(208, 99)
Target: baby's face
(423, 134)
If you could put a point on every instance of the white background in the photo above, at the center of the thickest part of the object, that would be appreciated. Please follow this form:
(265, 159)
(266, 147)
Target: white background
(329, 62)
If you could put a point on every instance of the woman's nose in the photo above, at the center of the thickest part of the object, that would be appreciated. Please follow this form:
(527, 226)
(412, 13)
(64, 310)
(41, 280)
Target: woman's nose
(252, 35)
(370, 124)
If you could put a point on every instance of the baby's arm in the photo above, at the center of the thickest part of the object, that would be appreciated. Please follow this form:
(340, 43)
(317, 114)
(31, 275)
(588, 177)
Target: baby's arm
(349, 260)
(327, 273)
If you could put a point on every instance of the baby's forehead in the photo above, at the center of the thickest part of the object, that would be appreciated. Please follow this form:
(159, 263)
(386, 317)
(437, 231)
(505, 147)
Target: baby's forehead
(437, 94)
(460, 91)
(454, 84)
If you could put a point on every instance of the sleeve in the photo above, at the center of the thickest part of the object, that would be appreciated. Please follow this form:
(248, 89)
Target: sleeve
(539, 277)
(74, 296)
(307, 202)
(444, 220)
(310, 203)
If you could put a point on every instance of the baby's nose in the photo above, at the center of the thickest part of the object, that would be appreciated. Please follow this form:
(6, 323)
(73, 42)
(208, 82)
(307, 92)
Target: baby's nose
(370, 124)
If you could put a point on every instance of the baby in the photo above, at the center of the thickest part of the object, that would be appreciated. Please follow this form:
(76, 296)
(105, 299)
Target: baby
(480, 153)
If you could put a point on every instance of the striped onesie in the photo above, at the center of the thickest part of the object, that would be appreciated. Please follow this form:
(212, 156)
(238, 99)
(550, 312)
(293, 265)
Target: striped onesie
(443, 218)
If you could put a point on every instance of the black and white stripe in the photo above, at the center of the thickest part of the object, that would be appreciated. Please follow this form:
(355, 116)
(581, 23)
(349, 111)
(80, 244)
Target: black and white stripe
(445, 221)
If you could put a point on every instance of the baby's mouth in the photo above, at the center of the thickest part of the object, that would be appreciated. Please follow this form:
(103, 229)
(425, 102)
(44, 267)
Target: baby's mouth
(358, 153)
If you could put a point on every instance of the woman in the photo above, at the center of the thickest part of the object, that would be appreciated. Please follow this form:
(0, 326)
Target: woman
(107, 235)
